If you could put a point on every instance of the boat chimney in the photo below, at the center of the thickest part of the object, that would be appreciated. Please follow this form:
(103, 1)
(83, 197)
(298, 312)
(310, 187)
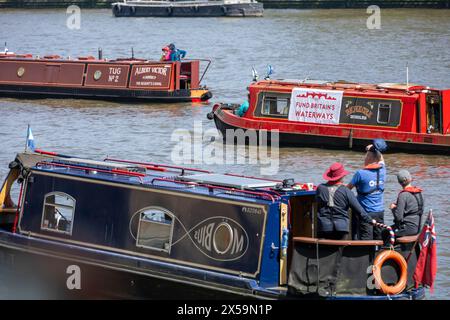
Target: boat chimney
(100, 54)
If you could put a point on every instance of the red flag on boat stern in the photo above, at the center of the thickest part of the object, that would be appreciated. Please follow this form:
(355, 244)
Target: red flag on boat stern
(426, 267)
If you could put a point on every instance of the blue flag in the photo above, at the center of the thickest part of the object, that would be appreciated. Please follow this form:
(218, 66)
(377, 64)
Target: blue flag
(269, 72)
(30, 140)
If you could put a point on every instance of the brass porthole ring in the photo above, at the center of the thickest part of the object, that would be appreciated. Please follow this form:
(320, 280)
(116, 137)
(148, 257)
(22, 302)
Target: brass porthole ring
(97, 75)
(223, 238)
(20, 72)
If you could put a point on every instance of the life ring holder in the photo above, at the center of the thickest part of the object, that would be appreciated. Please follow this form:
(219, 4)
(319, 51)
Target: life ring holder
(381, 258)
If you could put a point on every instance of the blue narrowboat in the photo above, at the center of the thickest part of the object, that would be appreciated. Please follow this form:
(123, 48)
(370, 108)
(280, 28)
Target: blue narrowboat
(125, 229)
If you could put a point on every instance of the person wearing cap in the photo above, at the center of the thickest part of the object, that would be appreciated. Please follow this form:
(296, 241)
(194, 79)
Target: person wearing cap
(408, 209)
(334, 200)
(369, 184)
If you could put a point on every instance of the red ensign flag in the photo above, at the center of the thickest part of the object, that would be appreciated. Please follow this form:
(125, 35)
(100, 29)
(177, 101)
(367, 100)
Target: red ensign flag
(426, 268)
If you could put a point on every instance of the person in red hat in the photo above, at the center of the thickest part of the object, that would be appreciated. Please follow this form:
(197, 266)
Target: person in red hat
(166, 54)
(334, 200)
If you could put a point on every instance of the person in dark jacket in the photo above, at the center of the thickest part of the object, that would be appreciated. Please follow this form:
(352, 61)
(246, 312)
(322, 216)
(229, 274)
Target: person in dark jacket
(408, 210)
(334, 200)
(176, 54)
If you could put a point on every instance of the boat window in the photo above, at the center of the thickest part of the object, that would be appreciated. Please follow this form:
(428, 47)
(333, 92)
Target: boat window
(155, 229)
(433, 114)
(58, 212)
(384, 112)
(223, 238)
(275, 106)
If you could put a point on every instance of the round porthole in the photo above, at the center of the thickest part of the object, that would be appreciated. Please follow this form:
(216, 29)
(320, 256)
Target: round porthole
(223, 238)
(20, 72)
(97, 75)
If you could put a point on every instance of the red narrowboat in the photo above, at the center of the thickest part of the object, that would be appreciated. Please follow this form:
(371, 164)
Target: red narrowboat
(411, 118)
(127, 79)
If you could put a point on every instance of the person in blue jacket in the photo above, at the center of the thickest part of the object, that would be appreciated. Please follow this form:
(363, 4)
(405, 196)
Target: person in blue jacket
(369, 184)
(334, 200)
(243, 108)
(176, 54)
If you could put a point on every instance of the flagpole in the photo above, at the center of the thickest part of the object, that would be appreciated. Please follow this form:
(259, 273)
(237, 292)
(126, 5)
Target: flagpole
(26, 139)
(418, 236)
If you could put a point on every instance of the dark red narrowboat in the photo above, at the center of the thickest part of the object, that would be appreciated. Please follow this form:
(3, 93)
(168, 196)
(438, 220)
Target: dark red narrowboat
(411, 118)
(127, 79)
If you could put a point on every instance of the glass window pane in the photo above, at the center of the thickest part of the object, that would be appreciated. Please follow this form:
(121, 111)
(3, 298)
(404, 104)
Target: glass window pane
(155, 229)
(275, 106)
(384, 112)
(58, 213)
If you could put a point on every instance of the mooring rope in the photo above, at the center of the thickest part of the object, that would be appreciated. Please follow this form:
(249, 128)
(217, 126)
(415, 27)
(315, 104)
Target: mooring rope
(389, 228)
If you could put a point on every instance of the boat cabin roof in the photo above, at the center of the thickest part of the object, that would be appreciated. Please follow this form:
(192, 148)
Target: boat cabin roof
(342, 85)
(182, 179)
(57, 58)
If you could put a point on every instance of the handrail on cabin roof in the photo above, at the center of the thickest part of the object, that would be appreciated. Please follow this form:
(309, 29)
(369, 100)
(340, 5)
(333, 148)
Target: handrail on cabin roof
(156, 165)
(261, 194)
(79, 167)
(335, 85)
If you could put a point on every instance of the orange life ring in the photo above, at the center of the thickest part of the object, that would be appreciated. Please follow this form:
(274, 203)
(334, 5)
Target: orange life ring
(381, 258)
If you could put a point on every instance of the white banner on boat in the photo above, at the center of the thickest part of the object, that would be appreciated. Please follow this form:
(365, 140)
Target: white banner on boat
(315, 105)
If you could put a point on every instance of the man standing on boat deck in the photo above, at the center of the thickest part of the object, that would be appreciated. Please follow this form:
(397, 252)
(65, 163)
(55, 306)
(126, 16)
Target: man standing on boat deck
(408, 209)
(334, 199)
(369, 183)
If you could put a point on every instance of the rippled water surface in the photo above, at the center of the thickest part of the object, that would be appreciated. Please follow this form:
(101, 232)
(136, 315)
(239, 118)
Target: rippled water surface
(321, 44)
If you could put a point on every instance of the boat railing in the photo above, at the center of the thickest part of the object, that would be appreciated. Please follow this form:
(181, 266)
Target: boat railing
(158, 166)
(204, 71)
(344, 243)
(262, 194)
(137, 175)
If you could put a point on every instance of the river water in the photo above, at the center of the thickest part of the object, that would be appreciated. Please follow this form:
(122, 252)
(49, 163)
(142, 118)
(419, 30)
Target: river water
(319, 44)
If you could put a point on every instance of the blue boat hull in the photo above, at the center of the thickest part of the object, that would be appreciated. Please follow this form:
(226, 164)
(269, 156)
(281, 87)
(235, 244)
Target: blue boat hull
(38, 269)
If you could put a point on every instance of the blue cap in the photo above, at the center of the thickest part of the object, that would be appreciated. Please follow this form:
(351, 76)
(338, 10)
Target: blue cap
(380, 145)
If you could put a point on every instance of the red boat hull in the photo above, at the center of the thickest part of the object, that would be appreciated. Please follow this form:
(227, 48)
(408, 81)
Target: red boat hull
(293, 134)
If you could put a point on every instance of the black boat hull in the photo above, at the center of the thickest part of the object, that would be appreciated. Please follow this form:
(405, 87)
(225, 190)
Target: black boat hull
(29, 272)
(194, 10)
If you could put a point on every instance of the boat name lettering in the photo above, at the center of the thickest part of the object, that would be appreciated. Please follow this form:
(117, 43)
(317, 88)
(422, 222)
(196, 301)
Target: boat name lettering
(220, 238)
(113, 70)
(350, 111)
(114, 74)
(155, 70)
